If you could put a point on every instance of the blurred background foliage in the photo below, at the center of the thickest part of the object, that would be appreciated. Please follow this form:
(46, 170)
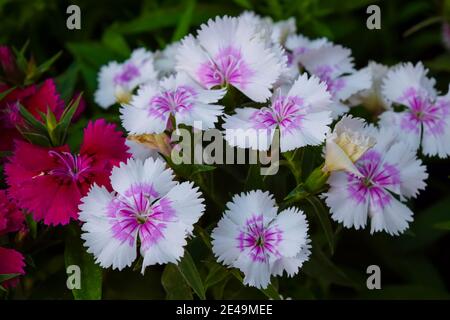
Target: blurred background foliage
(414, 265)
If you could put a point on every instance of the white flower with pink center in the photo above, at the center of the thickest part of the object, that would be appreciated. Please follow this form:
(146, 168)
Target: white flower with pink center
(301, 113)
(117, 81)
(333, 64)
(147, 207)
(252, 237)
(176, 98)
(388, 174)
(426, 120)
(229, 51)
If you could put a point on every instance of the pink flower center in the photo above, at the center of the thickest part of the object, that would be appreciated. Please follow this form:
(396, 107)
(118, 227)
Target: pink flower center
(260, 240)
(377, 178)
(128, 73)
(140, 211)
(286, 112)
(227, 67)
(69, 165)
(174, 101)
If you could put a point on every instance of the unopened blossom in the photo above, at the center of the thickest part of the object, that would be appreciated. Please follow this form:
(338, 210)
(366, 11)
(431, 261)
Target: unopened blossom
(147, 212)
(254, 238)
(301, 114)
(388, 175)
(231, 52)
(333, 64)
(177, 98)
(49, 182)
(425, 122)
(347, 143)
(117, 81)
(372, 98)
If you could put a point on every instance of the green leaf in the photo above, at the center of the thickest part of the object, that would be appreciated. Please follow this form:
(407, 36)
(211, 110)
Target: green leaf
(190, 273)
(91, 273)
(423, 24)
(150, 21)
(32, 225)
(324, 219)
(322, 268)
(254, 178)
(275, 8)
(21, 60)
(174, 284)
(9, 276)
(116, 42)
(66, 119)
(66, 82)
(443, 225)
(36, 138)
(185, 20)
(32, 121)
(47, 64)
(244, 4)
(5, 93)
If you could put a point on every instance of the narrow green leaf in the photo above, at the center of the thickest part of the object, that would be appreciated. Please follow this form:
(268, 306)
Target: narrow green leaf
(443, 225)
(66, 119)
(47, 64)
(244, 4)
(191, 275)
(185, 20)
(174, 284)
(423, 24)
(91, 273)
(32, 225)
(66, 82)
(216, 274)
(9, 276)
(254, 178)
(32, 121)
(5, 93)
(116, 42)
(150, 21)
(36, 138)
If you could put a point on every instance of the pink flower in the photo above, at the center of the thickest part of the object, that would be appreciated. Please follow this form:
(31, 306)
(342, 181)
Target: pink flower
(11, 262)
(11, 218)
(49, 182)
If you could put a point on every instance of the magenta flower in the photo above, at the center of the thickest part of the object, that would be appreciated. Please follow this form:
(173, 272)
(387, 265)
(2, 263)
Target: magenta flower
(49, 182)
